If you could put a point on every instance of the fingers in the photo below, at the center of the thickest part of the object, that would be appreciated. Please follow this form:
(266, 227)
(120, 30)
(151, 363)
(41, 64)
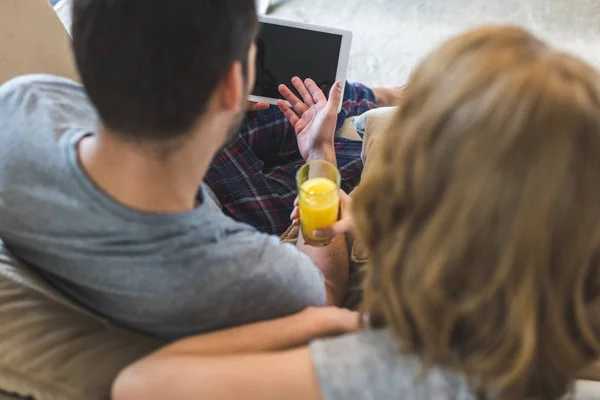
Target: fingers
(350, 321)
(296, 103)
(301, 88)
(335, 95)
(288, 112)
(295, 216)
(315, 91)
(288, 94)
(300, 108)
(295, 213)
(261, 106)
(340, 227)
(344, 225)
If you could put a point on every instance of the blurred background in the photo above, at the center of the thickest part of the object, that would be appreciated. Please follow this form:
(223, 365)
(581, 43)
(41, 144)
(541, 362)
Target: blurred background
(391, 36)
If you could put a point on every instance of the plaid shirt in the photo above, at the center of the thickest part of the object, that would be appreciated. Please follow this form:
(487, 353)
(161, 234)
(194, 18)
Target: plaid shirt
(255, 177)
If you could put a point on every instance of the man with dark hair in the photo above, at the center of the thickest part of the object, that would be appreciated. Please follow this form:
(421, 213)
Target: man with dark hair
(161, 91)
(99, 183)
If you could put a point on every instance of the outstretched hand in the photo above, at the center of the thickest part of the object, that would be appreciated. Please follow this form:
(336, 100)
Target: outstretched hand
(313, 118)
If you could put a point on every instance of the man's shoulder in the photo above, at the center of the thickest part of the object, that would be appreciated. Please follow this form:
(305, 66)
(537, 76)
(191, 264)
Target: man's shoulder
(242, 244)
(31, 83)
(239, 239)
(29, 99)
(37, 110)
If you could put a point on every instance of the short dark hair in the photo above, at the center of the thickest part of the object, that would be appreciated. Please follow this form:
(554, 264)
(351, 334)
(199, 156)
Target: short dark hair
(151, 66)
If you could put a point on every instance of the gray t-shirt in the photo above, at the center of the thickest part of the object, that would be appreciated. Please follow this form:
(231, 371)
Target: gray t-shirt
(369, 366)
(169, 275)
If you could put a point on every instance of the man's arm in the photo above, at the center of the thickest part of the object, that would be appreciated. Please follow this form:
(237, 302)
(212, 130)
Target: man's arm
(313, 119)
(333, 262)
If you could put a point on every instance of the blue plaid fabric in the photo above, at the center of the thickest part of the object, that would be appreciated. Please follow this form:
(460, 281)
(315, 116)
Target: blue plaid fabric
(255, 178)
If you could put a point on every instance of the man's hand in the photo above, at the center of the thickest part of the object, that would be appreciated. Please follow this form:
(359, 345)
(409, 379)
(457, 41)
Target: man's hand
(252, 106)
(332, 260)
(313, 119)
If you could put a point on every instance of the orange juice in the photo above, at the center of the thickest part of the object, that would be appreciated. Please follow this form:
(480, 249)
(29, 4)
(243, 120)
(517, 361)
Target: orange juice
(319, 203)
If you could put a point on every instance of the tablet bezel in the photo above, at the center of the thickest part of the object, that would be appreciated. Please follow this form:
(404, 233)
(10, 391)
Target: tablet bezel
(343, 59)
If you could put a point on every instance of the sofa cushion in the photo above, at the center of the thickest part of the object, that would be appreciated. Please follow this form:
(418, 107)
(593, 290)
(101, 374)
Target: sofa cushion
(51, 349)
(33, 40)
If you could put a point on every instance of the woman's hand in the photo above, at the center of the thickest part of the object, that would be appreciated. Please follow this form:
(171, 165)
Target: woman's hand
(333, 320)
(344, 225)
(314, 119)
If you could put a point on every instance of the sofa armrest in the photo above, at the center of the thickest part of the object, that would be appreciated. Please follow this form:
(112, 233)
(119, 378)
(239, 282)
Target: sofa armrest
(33, 40)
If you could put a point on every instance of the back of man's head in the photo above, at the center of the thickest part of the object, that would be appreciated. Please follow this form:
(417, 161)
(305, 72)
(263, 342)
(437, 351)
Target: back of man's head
(150, 67)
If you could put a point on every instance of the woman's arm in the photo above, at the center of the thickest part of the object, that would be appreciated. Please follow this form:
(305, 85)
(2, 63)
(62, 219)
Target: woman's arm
(285, 375)
(279, 334)
(239, 362)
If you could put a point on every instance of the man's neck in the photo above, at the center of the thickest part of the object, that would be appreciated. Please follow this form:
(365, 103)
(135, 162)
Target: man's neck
(144, 177)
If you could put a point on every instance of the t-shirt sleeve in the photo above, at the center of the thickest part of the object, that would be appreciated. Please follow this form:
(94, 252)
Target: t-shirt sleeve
(283, 281)
(370, 365)
(363, 365)
(339, 368)
(256, 278)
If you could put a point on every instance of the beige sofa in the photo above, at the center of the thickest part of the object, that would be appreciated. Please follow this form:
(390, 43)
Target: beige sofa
(32, 40)
(51, 349)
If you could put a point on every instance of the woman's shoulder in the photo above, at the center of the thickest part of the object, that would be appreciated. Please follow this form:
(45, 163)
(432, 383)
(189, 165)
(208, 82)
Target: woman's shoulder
(370, 365)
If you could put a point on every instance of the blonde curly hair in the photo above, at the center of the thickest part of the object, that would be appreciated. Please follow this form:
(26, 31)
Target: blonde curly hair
(480, 208)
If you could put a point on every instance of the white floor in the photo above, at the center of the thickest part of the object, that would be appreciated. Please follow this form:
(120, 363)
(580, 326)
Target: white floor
(391, 36)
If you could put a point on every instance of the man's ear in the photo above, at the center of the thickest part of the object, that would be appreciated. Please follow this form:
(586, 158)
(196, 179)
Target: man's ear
(231, 89)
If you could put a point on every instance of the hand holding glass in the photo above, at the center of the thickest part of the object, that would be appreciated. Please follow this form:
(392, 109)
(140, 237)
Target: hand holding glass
(318, 199)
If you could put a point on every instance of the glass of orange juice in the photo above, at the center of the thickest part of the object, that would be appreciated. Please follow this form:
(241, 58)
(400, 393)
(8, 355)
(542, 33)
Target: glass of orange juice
(318, 199)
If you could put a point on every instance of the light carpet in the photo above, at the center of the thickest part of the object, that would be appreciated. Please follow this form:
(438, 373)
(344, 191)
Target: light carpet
(391, 36)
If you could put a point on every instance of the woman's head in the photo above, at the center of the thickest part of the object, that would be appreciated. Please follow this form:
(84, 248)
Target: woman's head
(481, 211)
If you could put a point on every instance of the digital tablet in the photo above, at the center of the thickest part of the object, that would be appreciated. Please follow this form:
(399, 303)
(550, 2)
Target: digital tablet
(286, 49)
